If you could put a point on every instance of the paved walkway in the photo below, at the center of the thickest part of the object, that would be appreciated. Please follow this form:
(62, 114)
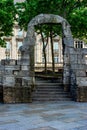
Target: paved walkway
(44, 116)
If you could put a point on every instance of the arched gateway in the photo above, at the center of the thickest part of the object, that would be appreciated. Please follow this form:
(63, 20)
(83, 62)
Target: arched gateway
(18, 76)
(29, 42)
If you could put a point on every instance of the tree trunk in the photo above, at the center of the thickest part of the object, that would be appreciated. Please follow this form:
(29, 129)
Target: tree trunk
(51, 40)
(44, 53)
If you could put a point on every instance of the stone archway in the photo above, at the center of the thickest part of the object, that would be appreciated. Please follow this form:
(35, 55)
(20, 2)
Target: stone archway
(18, 76)
(29, 42)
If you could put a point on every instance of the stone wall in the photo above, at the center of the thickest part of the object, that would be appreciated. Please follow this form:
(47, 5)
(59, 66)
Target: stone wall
(78, 76)
(16, 88)
(17, 77)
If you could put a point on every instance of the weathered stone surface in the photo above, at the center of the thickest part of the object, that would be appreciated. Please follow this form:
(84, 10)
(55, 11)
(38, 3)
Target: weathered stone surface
(78, 66)
(8, 81)
(82, 93)
(9, 62)
(25, 67)
(16, 95)
(18, 76)
(82, 81)
(23, 73)
(14, 67)
(1, 93)
(80, 73)
(8, 72)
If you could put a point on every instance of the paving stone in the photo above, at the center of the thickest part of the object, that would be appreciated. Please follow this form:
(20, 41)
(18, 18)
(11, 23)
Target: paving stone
(44, 116)
(45, 128)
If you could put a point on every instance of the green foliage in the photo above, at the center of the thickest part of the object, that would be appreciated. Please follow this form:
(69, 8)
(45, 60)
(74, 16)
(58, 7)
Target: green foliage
(78, 20)
(7, 15)
(75, 11)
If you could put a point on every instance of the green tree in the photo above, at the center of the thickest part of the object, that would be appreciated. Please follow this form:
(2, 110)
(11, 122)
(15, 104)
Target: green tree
(7, 15)
(75, 11)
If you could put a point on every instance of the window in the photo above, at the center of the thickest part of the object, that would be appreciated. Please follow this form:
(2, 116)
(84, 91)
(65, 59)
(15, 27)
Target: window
(78, 44)
(7, 56)
(56, 59)
(19, 44)
(55, 46)
(20, 33)
(8, 45)
(7, 51)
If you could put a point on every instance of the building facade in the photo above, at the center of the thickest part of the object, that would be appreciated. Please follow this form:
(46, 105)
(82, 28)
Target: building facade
(14, 42)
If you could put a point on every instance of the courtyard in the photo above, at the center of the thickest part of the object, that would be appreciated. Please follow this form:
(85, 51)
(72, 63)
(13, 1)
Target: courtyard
(63, 115)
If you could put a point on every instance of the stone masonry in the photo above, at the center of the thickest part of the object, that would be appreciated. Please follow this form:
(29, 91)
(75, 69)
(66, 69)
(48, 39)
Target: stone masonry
(17, 77)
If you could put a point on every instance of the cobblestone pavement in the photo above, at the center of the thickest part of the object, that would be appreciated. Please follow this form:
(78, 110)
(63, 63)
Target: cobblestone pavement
(44, 116)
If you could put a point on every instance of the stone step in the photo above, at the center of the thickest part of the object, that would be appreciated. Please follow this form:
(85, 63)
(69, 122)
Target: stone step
(51, 99)
(49, 81)
(49, 84)
(51, 96)
(52, 92)
(47, 90)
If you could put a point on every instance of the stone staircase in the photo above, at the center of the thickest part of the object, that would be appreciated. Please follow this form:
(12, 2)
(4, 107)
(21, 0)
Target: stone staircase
(49, 90)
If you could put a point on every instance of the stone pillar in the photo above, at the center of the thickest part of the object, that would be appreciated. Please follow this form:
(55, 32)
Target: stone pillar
(66, 71)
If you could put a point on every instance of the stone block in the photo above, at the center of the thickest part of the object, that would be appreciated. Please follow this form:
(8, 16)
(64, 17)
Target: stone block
(18, 80)
(1, 93)
(1, 79)
(84, 51)
(16, 72)
(12, 67)
(66, 87)
(78, 66)
(9, 62)
(73, 59)
(66, 58)
(66, 80)
(8, 80)
(23, 73)
(25, 67)
(8, 72)
(80, 73)
(81, 59)
(82, 93)
(27, 95)
(13, 62)
(81, 81)
(2, 62)
(27, 81)
(25, 62)
(18, 62)
(8, 94)
(16, 95)
(72, 50)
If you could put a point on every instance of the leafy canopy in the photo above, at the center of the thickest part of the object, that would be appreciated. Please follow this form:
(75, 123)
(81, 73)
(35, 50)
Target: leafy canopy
(75, 11)
(7, 15)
